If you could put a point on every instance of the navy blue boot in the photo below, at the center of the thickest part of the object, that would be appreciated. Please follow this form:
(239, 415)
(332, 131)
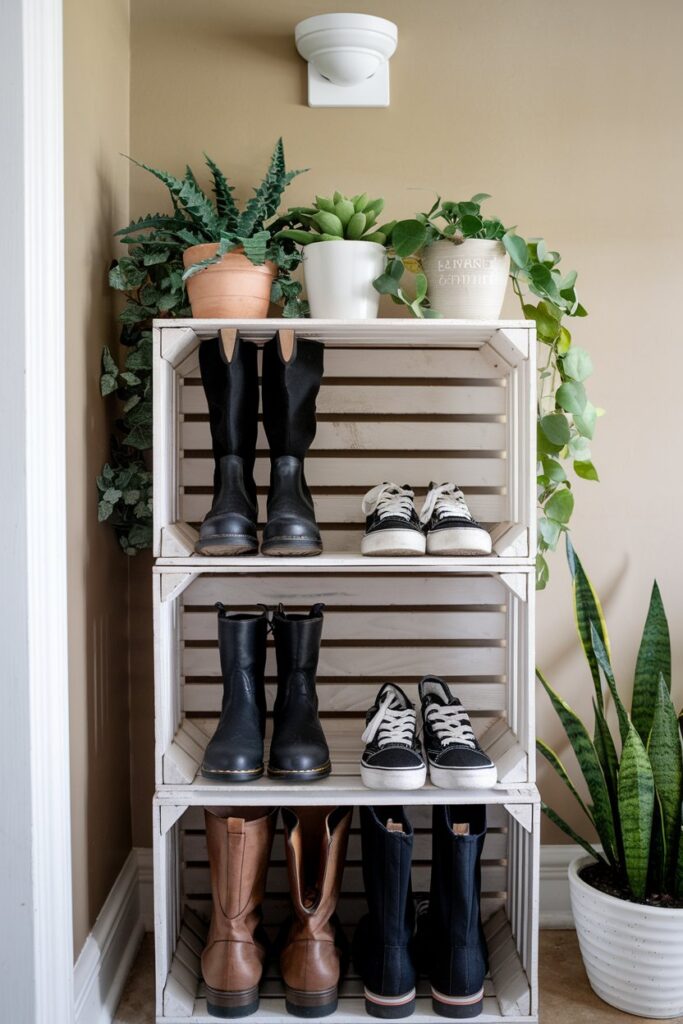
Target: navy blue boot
(383, 942)
(450, 934)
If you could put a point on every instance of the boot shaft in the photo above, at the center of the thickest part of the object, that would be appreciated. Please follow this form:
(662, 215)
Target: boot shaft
(297, 647)
(387, 849)
(231, 389)
(290, 388)
(316, 839)
(239, 854)
(242, 648)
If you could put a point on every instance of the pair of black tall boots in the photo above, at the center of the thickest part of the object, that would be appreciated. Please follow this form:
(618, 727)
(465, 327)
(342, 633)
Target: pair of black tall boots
(298, 749)
(449, 944)
(290, 384)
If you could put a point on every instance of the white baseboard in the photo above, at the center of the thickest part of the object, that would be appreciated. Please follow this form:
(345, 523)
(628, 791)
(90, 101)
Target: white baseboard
(556, 911)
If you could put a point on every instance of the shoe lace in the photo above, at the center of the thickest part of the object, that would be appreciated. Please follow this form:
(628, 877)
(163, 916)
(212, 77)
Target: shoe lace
(451, 724)
(394, 723)
(389, 500)
(445, 500)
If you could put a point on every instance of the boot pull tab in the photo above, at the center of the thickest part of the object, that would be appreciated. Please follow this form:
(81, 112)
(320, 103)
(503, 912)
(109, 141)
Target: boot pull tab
(394, 826)
(228, 336)
(287, 345)
(221, 609)
(268, 616)
(461, 828)
(236, 826)
(317, 609)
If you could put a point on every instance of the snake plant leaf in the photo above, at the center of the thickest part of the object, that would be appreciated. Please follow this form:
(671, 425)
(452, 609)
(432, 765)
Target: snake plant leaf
(551, 757)
(607, 754)
(223, 190)
(664, 751)
(602, 657)
(587, 756)
(654, 657)
(573, 835)
(587, 609)
(636, 811)
(679, 868)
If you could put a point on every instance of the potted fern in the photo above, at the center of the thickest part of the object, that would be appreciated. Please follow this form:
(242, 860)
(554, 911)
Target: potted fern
(627, 895)
(234, 265)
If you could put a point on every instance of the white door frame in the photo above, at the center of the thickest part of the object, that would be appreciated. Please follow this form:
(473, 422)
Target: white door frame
(36, 940)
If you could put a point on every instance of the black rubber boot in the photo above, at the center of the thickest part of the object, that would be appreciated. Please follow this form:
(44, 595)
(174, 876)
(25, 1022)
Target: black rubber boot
(450, 934)
(231, 388)
(298, 750)
(290, 388)
(383, 942)
(235, 752)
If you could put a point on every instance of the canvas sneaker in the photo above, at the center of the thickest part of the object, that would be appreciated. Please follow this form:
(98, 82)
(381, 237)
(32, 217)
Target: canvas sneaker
(456, 761)
(392, 758)
(451, 527)
(392, 526)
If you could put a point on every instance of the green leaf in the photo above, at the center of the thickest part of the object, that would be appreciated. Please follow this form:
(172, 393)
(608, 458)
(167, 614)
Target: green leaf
(420, 287)
(586, 470)
(255, 248)
(577, 364)
(555, 426)
(587, 610)
(550, 531)
(551, 757)
(560, 506)
(636, 788)
(222, 190)
(470, 225)
(542, 572)
(603, 660)
(190, 197)
(564, 341)
(654, 659)
(407, 237)
(590, 766)
(569, 831)
(580, 448)
(664, 751)
(104, 510)
(571, 396)
(386, 284)
(586, 419)
(553, 469)
(517, 249)
(108, 384)
(607, 755)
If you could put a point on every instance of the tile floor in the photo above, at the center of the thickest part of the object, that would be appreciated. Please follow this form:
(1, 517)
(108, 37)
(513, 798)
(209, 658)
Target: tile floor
(565, 994)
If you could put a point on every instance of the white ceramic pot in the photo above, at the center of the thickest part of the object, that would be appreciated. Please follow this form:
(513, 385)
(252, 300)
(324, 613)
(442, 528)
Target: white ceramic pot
(339, 278)
(467, 281)
(633, 954)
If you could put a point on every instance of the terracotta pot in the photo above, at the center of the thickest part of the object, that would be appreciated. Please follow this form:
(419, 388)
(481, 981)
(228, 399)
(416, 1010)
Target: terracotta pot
(467, 281)
(232, 289)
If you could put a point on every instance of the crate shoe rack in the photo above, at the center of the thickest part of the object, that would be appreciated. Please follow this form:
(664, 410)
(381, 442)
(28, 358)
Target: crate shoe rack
(404, 400)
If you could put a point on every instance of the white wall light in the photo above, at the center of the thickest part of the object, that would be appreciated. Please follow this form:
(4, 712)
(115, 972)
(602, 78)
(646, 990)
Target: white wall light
(348, 59)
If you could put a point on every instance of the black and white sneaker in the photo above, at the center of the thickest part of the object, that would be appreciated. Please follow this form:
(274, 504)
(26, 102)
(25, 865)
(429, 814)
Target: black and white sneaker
(451, 528)
(392, 526)
(456, 761)
(393, 757)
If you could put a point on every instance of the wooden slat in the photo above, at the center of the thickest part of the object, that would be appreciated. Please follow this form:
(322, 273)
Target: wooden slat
(420, 816)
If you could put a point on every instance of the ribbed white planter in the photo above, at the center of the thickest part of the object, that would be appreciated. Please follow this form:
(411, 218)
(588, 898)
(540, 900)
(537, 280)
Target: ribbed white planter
(633, 954)
(339, 278)
(467, 281)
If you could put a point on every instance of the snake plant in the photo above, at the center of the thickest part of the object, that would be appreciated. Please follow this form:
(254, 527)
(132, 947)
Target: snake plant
(634, 780)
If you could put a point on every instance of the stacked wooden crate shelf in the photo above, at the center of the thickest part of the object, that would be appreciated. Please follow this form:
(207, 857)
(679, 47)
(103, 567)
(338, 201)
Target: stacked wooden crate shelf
(401, 400)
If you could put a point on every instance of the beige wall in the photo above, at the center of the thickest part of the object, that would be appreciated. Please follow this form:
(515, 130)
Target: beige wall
(96, 82)
(569, 115)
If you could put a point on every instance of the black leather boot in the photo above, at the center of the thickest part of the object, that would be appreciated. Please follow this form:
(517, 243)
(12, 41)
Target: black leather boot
(290, 388)
(450, 934)
(298, 750)
(235, 752)
(231, 388)
(383, 942)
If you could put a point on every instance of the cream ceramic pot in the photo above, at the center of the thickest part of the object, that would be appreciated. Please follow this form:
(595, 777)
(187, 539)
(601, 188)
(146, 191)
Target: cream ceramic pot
(467, 281)
(339, 278)
(633, 954)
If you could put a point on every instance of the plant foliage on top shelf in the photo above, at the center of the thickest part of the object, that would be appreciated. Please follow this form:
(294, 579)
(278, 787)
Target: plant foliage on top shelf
(634, 781)
(339, 218)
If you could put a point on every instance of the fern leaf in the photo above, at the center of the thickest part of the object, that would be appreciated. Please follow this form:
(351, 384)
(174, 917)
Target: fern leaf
(223, 190)
(191, 199)
(267, 197)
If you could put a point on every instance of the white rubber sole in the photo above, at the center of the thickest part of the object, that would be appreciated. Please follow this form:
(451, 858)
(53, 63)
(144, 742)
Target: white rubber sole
(393, 542)
(393, 778)
(463, 778)
(459, 541)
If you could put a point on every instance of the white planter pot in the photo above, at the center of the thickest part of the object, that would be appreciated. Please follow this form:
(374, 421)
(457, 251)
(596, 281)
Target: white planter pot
(633, 954)
(339, 278)
(467, 281)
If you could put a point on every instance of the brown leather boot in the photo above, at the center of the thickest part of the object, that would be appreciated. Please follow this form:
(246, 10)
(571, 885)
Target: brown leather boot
(316, 839)
(232, 961)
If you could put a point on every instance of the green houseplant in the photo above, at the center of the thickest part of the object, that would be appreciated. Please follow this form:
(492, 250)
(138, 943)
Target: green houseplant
(633, 884)
(343, 252)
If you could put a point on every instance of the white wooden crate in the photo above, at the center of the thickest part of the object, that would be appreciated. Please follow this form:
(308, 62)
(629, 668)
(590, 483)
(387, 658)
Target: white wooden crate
(473, 627)
(509, 910)
(404, 400)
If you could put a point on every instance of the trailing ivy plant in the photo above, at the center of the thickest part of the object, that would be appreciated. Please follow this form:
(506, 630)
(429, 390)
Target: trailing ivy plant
(566, 416)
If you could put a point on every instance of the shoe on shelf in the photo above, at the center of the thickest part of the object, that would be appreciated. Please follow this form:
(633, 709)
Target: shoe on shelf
(451, 528)
(392, 758)
(456, 761)
(392, 526)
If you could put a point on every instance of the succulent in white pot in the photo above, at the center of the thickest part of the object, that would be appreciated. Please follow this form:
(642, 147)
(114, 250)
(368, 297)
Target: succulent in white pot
(627, 895)
(344, 251)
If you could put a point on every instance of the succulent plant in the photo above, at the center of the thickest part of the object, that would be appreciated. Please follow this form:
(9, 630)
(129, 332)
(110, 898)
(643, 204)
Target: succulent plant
(331, 220)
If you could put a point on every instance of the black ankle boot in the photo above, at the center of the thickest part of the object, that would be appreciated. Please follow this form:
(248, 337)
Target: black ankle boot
(231, 388)
(290, 388)
(383, 942)
(298, 750)
(450, 934)
(235, 752)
